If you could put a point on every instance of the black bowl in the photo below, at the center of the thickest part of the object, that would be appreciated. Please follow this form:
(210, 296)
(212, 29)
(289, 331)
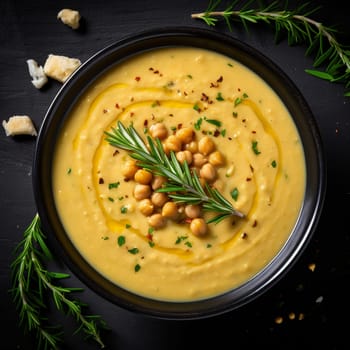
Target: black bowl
(267, 70)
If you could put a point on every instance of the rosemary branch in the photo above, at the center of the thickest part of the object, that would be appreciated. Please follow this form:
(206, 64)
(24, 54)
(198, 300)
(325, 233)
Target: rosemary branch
(29, 281)
(182, 185)
(300, 28)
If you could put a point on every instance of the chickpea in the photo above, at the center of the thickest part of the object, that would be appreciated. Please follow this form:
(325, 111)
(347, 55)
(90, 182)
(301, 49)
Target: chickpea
(185, 135)
(192, 147)
(159, 131)
(199, 160)
(157, 220)
(198, 227)
(216, 158)
(206, 145)
(129, 169)
(159, 198)
(169, 210)
(183, 156)
(158, 182)
(207, 172)
(146, 207)
(142, 191)
(143, 176)
(192, 211)
(172, 143)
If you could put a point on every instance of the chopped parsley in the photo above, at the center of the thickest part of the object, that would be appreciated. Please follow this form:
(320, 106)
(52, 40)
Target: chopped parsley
(133, 251)
(113, 185)
(219, 97)
(121, 240)
(255, 147)
(198, 123)
(234, 193)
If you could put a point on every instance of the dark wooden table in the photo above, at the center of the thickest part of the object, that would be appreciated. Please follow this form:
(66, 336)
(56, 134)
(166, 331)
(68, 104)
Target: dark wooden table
(319, 299)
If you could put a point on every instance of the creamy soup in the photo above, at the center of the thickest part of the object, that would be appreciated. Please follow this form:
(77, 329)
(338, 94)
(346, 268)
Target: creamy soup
(262, 174)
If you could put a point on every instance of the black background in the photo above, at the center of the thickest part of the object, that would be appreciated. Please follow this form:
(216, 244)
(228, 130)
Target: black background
(30, 29)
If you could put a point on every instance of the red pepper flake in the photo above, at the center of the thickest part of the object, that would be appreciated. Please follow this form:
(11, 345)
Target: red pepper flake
(115, 152)
(220, 79)
(212, 85)
(248, 179)
(251, 168)
(145, 122)
(255, 223)
(253, 132)
(117, 105)
(132, 114)
(217, 133)
(156, 71)
(179, 126)
(137, 78)
(239, 89)
(105, 110)
(150, 68)
(101, 181)
(244, 235)
(149, 237)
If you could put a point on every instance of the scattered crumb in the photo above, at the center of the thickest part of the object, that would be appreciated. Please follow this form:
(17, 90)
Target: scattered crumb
(312, 267)
(291, 316)
(39, 78)
(278, 319)
(301, 316)
(319, 299)
(60, 67)
(19, 125)
(70, 17)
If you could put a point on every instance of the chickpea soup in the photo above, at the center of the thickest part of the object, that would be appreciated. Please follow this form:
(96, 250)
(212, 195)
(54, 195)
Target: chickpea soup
(221, 122)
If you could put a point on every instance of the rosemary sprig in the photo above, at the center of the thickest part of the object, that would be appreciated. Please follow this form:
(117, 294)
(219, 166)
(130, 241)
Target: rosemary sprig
(182, 185)
(30, 281)
(300, 28)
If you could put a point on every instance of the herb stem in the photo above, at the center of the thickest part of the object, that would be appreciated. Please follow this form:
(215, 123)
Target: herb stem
(29, 281)
(300, 28)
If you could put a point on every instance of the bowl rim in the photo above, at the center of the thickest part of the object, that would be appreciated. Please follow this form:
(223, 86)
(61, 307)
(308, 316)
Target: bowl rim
(115, 53)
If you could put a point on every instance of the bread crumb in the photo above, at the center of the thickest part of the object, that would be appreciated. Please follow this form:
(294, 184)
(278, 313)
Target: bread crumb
(39, 78)
(60, 67)
(279, 320)
(312, 267)
(70, 17)
(291, 315)
(19, 125)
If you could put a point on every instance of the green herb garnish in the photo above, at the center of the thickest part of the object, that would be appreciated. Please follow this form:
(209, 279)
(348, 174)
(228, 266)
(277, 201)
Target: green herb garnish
(121, 240)
(300, 29)
(234, 193)
(32, 283)
(182, 185)
(113, 185)
(255, 147)
(133, 251)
